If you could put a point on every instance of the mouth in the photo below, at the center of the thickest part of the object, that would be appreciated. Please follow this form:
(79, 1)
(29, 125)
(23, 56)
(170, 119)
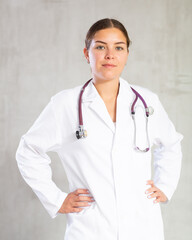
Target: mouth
(109, 65)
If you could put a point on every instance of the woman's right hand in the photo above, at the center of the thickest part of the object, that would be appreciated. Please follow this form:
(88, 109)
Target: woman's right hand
(73, 201)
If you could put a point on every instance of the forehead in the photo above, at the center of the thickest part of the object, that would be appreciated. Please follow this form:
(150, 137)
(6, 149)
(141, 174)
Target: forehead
(109, 35)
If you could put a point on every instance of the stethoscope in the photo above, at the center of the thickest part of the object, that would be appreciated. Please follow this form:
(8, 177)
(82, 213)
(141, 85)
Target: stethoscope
(82, 133)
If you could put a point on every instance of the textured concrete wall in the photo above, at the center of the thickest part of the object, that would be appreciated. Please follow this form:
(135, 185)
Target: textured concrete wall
(41, 45)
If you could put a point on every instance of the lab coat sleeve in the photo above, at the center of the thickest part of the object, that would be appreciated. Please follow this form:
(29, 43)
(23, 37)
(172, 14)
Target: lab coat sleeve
(34, 163)
(167, 153)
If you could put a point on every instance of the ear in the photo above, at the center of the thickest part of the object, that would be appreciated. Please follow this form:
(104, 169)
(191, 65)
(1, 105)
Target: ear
(86, 53)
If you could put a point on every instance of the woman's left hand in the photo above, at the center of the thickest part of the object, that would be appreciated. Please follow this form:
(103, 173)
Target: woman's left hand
(155, 192)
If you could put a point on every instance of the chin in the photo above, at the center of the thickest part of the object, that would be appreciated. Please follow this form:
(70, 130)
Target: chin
(106, 76)
(110, 78)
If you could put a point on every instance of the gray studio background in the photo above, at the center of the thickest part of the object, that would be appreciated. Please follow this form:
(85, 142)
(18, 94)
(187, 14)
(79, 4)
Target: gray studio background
(41, 53)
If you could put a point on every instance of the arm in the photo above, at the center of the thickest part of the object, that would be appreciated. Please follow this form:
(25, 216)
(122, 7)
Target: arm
(167, 153)
(34, 163)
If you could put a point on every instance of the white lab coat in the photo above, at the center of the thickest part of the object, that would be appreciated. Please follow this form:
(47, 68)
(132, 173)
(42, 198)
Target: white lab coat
(104, 162)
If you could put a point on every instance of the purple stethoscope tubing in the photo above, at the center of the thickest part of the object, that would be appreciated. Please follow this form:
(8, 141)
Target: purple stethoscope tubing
(137, 95)
(82, 133)
(80, 101)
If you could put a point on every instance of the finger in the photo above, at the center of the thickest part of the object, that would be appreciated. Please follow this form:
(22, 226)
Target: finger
(157, 200)
(81, 191)
(152, 189)
(150, 182)
(77, 210)
(154, 195)
(84, 198)
(81, 204)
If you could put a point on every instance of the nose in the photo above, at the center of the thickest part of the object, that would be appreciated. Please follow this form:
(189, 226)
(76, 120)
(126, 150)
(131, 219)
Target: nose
(109, 54)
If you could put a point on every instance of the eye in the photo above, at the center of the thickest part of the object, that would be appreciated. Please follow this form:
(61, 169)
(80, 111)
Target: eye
(119, 48)
(100, 47)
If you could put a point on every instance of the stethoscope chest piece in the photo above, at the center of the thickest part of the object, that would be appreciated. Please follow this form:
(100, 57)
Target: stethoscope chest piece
(150, 110)
(81, 133)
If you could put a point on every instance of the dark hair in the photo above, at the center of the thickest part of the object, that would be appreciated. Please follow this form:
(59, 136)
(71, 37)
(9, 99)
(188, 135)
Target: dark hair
(103, 24)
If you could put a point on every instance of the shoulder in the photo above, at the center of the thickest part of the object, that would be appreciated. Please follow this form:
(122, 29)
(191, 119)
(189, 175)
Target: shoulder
(148, 95)
(144, 92)
(138, 88)
(66, 97)
(152, 100)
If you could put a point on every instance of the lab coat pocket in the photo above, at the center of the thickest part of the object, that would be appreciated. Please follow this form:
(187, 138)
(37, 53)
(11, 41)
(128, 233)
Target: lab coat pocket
(85, 223)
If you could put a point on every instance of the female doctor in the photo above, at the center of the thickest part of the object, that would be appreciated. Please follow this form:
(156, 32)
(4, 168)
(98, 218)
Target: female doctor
(103, 133)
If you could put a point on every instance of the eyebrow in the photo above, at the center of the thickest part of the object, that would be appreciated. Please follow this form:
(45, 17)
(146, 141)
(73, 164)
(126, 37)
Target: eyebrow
(106, 43)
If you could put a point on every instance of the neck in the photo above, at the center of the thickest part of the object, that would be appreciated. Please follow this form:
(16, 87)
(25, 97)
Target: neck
(108, 90)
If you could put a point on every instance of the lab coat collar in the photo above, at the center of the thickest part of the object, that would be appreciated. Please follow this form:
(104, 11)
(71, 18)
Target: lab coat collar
(125, 96)
(91, 93)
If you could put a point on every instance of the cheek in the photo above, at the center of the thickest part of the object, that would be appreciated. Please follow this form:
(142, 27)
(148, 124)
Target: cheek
(96, 58)
(122, 60)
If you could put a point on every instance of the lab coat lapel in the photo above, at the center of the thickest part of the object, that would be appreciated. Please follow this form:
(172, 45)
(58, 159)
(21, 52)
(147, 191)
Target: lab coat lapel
(97, 105)
(124, 122)
(124, 99)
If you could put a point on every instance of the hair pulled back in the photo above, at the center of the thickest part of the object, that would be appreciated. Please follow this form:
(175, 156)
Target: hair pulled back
(103, 24)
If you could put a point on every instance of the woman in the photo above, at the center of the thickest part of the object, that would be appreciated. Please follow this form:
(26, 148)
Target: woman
(112, 193)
